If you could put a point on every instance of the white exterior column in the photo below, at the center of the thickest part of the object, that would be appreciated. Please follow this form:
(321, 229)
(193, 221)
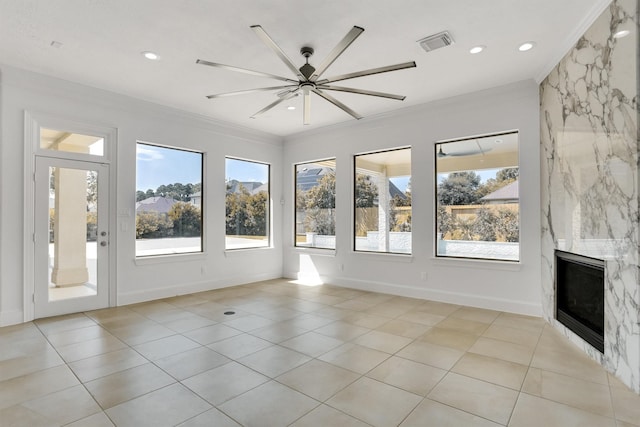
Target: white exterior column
(70, 228)
(383, 211)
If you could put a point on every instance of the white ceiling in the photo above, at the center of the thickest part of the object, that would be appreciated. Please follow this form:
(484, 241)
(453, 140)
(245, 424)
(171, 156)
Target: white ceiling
(101, 42)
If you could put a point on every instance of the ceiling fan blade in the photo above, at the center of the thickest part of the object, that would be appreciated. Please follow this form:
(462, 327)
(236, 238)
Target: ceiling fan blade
(242, 92)
(244, 70)
(362, 92)
(337, 103)
(306, 112)
(273, 104)
(368, 72)
(351, 36)
(260, 32)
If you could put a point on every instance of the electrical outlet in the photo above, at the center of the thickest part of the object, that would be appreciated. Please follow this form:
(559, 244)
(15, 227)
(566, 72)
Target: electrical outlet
(341, 267)
(423, 275)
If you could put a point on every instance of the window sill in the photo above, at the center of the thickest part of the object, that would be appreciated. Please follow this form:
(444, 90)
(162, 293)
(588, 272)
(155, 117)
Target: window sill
(314, 251)
(231, 253)
(384, 257)
(162, 259)
(478, 263)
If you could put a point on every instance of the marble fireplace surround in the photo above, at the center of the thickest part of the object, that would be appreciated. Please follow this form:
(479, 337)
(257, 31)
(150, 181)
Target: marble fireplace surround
(589, 172)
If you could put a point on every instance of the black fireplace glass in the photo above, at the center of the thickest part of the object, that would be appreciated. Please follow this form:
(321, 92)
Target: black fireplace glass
(580, 296)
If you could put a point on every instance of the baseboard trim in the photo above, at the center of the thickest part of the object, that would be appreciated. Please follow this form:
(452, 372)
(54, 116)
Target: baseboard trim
(480, 301)
(135, 297)
(8, 318)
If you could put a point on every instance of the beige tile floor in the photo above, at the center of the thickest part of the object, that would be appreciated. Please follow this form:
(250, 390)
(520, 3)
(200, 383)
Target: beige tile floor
(301, 356)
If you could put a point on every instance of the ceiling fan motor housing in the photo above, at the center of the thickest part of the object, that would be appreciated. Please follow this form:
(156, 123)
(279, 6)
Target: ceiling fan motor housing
(307, 69)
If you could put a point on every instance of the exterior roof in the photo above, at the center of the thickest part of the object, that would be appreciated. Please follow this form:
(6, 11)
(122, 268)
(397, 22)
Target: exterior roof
(308, 178)
(508, 192)
(253, 187)
(155, 204)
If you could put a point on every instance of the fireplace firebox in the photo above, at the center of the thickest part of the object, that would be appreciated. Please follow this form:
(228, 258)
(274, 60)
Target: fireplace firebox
(580, 296)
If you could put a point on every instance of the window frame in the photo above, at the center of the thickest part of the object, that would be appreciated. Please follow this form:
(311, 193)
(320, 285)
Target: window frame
(295, 202)
(437, 256)
(202, 200)
(268, 210)
(355, 208)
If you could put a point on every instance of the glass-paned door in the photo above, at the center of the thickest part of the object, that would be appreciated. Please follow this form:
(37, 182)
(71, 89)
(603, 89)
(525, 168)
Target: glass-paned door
(71, 236)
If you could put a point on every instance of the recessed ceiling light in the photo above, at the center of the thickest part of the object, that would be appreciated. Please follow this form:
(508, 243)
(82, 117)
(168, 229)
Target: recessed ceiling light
(526, 46)
(498, 141)
(151, 55)
(291, 107)
(476, 49)
(622, 33)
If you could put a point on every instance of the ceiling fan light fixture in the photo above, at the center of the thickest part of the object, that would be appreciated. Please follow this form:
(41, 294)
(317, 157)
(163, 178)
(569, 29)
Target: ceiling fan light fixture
(436, 41)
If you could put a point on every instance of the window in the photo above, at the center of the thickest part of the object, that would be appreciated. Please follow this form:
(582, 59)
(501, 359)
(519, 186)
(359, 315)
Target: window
(168, 200)
(477, 213)
(56, 140)
(316, 204)
(382, 190)
(247, 204)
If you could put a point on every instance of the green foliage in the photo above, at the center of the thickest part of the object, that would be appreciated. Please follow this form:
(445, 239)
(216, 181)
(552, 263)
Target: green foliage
(256, 222)
(488, 225)
(507, 174)
(246, 214)
(92, 187)
(400, 201)
(484, 226)
(92, 226)
(444, 221)
(153, 225)
(186, 219)
(459, 188)
(140, 195)
(177, 191)
(365, 192)
(507, 225)
(321, 221)
(323, 195)
(319, 204)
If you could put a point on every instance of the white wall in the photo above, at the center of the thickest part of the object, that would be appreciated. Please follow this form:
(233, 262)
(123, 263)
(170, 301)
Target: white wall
(504, 286)
(134, 120)
(496, 285)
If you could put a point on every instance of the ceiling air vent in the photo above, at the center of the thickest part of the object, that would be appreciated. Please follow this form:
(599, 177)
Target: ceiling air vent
(436, 41)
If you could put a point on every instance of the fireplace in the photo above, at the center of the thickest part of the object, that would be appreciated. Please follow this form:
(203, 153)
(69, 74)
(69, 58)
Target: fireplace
(580, 296)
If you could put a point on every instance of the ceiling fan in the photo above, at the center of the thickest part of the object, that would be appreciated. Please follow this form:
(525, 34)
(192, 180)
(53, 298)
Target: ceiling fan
(308, 77)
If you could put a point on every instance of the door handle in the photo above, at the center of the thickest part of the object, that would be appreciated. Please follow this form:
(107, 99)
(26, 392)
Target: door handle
(103, 243)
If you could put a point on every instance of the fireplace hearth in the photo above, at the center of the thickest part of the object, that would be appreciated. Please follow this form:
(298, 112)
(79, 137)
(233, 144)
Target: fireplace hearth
(580, 296)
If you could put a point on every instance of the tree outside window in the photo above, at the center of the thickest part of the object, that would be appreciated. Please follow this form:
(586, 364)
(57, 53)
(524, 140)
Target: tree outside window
(315, 215)
(247, 204)
(168, 200)
(382, 201)
(477, 193)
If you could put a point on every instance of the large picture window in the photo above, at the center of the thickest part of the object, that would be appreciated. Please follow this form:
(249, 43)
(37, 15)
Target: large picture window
(168, 200)
(477, 194)
(316, 204)
(247, 204)
(382, 201)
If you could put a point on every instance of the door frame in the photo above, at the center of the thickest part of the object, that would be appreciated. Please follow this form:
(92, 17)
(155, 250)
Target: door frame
(33, 121)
